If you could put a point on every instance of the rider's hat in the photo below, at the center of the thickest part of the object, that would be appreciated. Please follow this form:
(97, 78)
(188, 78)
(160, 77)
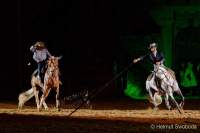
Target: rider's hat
(40, 45)
(151, 45)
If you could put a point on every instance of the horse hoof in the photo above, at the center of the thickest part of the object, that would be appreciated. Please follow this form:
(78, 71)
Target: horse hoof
(58, 109)
(19, 109)
(39, 109)
(181, 111)
(181, 106)
(169, 108)
(155, 109)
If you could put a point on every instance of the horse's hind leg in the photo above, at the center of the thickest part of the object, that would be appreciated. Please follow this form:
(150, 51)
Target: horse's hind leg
(183, 99)
(57, 99)
(178, 91)
(174, 101)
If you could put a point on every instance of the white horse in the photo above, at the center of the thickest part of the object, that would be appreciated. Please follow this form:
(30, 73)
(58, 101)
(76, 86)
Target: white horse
(163, 83)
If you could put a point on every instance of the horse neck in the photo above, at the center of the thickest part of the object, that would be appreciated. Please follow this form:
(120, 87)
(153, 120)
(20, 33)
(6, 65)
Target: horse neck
(160, 70)
(165, 73)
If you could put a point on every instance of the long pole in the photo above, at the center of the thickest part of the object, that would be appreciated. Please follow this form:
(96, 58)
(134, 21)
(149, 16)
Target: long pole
(95, 92)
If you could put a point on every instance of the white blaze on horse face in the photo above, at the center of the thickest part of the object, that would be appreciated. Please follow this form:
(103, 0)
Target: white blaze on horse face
(56, 63)
(50, 65)
(51, 69)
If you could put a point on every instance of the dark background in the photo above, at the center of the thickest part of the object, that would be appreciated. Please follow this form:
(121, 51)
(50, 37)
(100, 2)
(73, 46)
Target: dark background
(86, 32)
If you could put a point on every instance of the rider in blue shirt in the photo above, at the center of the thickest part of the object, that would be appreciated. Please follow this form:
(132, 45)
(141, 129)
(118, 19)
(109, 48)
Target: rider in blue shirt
(40, 55)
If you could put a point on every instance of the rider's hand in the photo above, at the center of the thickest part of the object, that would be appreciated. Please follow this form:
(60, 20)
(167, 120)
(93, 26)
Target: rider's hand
(135, 60)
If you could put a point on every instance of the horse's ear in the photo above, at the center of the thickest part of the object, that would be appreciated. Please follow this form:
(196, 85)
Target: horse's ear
(60, 57)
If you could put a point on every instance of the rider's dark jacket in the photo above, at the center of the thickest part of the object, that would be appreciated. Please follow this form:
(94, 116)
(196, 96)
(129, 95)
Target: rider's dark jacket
(158, 58)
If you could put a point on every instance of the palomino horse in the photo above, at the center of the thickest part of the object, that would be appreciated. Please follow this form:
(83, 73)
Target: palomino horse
(167, 86)
(51, 81)
(34, 91)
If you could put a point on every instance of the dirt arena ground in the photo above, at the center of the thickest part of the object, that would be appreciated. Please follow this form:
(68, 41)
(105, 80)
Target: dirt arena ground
(116, 116)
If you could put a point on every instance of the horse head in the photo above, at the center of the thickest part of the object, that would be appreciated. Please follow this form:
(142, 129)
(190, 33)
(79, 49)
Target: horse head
(161, 72)
(53, 62)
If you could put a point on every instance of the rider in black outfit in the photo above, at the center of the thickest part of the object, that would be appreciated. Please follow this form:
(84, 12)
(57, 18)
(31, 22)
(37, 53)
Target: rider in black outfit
(156, 58)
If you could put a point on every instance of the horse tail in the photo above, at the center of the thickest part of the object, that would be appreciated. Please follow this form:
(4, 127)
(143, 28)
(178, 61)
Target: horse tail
(24, 97)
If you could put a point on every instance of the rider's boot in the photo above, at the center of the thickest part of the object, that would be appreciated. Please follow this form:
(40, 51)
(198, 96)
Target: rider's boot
(39, 78)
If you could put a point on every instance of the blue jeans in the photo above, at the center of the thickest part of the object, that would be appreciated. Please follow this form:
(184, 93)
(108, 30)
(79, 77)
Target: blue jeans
(41, 67)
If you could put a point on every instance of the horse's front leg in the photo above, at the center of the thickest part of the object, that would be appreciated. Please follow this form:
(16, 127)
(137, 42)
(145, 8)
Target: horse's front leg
(44, 96)
(36, 93)
(167, 101)
(173, 100)
(38, 101)
(149, 85)
(151, 96)
(45, 105)
(166, 94)
(57, 99)
(152, 100)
